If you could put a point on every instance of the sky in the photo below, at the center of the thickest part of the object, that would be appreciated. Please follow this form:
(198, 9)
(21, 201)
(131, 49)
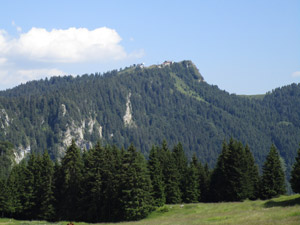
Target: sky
(243, 47)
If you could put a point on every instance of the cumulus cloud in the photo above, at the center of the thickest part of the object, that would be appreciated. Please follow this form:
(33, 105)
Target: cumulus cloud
(40, 53)
(296, 74)
(72, 45)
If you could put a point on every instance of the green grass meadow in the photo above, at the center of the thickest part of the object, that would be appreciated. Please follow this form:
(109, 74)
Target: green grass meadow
(284, 210)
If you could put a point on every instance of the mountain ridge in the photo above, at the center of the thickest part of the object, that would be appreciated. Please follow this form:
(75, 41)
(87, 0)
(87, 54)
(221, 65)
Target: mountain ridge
(171, 102)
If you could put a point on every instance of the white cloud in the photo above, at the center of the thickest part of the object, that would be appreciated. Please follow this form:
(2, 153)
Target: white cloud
(10, 78)
(40, 53)
(296, 74)
(37, 73)
(3, 61)
(72, 45)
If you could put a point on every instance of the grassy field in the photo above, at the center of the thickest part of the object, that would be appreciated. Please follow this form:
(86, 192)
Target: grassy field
(283, 210)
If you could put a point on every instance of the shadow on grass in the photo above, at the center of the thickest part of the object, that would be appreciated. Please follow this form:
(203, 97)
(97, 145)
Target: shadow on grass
(284, 203)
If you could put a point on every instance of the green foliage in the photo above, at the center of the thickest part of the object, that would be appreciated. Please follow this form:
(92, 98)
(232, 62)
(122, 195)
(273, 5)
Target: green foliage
(136, 199)
(156, 175)
(108, 184)
(6, 159)
(171, 102)
(295, 174)
(45, 195)
(252, 179)
(272, 181)
(191, 189)
(70, 189)
(171, 175)
(235, 176)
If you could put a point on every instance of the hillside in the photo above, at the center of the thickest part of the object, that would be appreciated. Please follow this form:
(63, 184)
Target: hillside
(145, 105)
(282, 210)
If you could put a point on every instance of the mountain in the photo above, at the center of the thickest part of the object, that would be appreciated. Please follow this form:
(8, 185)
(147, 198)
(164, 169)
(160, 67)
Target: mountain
(144, 106)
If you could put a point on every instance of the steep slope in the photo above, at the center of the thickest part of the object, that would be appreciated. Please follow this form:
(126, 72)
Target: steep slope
(145, 106)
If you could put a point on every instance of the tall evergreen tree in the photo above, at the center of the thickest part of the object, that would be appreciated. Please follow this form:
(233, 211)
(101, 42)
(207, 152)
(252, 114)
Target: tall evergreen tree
(45, 198)
(295, 174)
(203, 176)
(71, 181)
(229, 177)
(156, 175)
(181, 163)
(29, 187)
(136, 196)
(273, 181)
(171, 175)
(252, 175)
(92, 185)
(191, 191)
(101, 184)
(14, 190)
(205, 183)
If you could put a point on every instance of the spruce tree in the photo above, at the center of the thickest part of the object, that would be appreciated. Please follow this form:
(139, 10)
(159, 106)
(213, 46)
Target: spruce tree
(181, 163)
(101, 184)
(136, 187)
(218, 179)
(14, 191)
(273, 181)
(252, 175)
(170, 174)
(191, 184)
(29, 188)
(45, 196)
(92, 185)
(156, 175)
(205, 178)
(229, 177)
(295, 174)
(71, 184)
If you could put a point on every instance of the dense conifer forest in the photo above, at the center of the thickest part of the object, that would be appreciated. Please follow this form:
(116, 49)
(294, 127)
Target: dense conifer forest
(111, 184)
(143, 106)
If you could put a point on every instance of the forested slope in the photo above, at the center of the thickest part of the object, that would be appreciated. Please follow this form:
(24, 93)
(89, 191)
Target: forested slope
(145, 106)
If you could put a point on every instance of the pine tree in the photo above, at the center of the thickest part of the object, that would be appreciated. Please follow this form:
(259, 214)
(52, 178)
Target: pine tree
(45, 196)
(191, 184)
(171, 175)
(155, 170)
(14, 190)
(252, 175)
(219, 182)
(203, 179)
(136, 187)
(180, 161)
(101, 184)
(28, 194)
(92, 185)
(273, 181)
(71, 184)
(295, 174)
(229, 177)
(205, 183)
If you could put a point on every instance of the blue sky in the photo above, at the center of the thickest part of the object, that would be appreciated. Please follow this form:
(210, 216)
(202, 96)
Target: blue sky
(244, 47)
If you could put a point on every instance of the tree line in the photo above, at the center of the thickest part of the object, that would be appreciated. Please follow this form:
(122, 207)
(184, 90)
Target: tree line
(111, 184)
